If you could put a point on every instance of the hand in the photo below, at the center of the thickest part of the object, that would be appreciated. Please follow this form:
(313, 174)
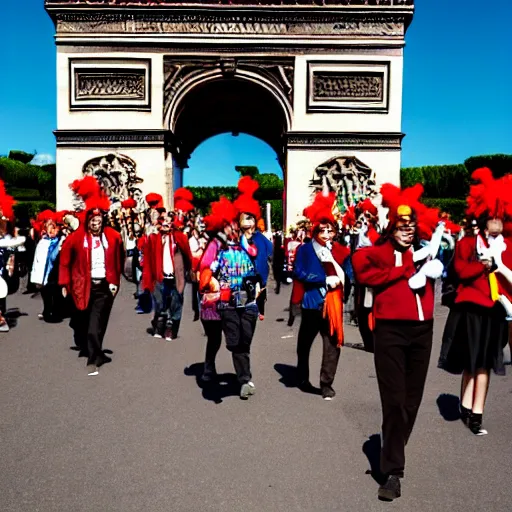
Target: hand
(64, 292)
(488, 264)
(113, 289)
(214, 285)
(332, 282)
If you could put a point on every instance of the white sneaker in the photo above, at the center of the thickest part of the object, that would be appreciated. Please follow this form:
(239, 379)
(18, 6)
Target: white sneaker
(157, 336)
(248, 389)
(4, 327)
(92, 369)
(40, 316)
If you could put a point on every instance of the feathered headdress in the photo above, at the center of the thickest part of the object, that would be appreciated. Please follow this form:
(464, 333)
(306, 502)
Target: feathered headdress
(7, 203)
(129, 204)
(90, 191)
(222, 212)
(368, 207)
(489, 196)
(155, 201)
(322, 208)
(405, 204)
(245, 202)
(349, 217)
(183, 200)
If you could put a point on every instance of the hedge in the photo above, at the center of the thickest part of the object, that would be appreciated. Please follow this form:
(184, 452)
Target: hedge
(25, 210)
(455, 207)
(25, 194)
(500, 164)
(438, 180)
(21, 156)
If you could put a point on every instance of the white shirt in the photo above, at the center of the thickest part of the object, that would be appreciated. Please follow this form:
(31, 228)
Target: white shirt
(167, 260)
(97, 259)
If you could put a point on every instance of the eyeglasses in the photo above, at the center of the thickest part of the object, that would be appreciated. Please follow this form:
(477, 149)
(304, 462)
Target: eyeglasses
(404, 229)
(326, 230)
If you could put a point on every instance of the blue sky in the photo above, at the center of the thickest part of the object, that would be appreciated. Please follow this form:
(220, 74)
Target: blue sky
(457, 89)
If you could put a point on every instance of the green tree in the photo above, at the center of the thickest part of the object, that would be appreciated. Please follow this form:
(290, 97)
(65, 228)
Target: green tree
(247, 170)
(500, 164)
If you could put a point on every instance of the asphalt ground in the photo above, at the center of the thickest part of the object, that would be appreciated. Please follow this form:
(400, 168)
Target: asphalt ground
(144, 436)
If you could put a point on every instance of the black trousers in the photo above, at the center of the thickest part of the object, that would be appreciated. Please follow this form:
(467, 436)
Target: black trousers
(312, 323)
(402, 356)
(90, 325)
(195, 298)
(53, 303)
(363, 315)
(239, 325)
(213, 330)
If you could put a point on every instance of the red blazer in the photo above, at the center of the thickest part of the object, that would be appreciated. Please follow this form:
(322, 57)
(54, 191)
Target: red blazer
(375, 268)
(153, 267)
(75, 264)
(474, 279)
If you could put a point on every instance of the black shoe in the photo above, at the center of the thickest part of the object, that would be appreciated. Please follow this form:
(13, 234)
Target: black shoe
(465, 414)
(391, 490)
(196, 316)
(328, 393)
(475, 424)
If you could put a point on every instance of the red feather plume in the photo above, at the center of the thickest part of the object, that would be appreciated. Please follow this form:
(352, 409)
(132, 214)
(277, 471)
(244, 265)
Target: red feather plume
(129, 203)
(184, 194)
(321, 210)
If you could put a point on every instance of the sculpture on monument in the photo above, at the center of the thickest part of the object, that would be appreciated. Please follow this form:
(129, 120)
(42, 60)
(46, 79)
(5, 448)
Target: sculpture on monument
(348, 177)
(118, 177)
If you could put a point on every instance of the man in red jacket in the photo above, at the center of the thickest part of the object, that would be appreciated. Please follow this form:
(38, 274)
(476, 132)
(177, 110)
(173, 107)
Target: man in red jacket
(167, 259)
(403, 308)
(90, 271)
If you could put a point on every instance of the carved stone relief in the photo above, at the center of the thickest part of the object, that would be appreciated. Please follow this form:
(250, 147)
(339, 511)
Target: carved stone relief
(118, 176)
(352, 86)
(112, 85)
(300, 24)
(348, 177)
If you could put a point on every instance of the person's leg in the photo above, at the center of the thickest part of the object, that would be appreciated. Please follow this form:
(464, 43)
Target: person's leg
(174, 312)
(78, 322)
(242, 353)
(390, 365)
(213, 330)
(330, 359)
(46, 296)
(309, 328)
(195, 300)
(159, 307)
(482, 379)
(232, 327)
(418, 359)
(100, 305)
(467, 390)
(261, 300)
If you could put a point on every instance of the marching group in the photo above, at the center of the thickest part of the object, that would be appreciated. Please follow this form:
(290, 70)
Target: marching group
(376, 263)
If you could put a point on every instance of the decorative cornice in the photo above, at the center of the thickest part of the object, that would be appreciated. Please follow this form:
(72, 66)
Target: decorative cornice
(112, 138)
(267, 4)
(345, 141)
(232, 23)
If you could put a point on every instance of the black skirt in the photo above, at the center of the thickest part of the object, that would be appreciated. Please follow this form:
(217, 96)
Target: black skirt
(474, 338)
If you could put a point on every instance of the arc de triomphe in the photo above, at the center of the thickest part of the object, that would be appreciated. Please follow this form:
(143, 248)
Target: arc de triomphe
(141, 83)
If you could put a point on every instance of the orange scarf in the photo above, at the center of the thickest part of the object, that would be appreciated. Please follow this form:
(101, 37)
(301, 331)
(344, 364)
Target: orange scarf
(333, 311)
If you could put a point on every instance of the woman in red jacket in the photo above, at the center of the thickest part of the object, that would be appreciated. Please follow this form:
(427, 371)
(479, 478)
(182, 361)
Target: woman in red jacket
(90, 271)
(476, 330)
(403, 308)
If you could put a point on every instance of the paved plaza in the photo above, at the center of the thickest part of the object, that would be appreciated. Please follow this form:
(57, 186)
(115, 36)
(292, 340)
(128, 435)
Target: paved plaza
(143, 436)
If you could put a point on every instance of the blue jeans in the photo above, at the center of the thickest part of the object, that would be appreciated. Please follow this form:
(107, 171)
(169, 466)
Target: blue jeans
(168, 303)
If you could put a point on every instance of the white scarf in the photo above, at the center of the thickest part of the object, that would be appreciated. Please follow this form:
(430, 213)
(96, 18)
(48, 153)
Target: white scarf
(324, 254)
(103, 241)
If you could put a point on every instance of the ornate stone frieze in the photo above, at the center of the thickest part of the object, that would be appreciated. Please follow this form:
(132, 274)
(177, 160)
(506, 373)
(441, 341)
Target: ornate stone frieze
(177, 72)
(111, 138)
(112, 85)
(361, 141)
(348, 86)
(232, 23)
(267, 3)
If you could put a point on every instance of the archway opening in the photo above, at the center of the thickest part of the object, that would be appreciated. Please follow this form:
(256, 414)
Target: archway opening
(226, 124)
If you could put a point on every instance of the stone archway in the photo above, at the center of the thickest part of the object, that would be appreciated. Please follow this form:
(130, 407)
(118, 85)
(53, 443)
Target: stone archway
(314, 79)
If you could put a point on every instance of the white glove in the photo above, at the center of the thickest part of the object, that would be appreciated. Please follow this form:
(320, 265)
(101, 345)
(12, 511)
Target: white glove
(418, 280)
(332, 281)
(433, 269)
(113, 289)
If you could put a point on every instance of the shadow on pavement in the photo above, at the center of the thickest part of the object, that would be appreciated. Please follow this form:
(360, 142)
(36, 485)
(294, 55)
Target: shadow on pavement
(290, 379)
(449, 407)
(371, 448)
(226, 384)
(12, 315)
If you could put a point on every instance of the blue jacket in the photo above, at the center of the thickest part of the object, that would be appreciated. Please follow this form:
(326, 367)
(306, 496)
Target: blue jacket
(261, 262)
(309, 270)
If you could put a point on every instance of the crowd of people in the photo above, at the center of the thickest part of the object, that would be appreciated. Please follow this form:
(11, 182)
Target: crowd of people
(375, 265)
